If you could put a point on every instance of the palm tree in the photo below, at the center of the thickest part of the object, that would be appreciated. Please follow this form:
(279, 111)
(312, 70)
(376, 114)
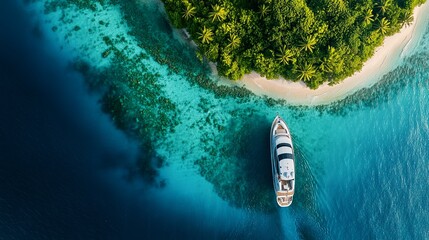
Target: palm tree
(264, 10)
(325, 65)
(340, 5)
(226, 27)
(308, 43)
(245, 18)
(408, 19)
(206, 35)
(226, 58)
(384, 5)
(218, 13)
(285, 56)
(368, 18)
(383, 26)
(305, 72)
(189, 12)
(234, 41)
(213, 52)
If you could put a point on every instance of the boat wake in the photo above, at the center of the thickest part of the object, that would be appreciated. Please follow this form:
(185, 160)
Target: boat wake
(303, 220)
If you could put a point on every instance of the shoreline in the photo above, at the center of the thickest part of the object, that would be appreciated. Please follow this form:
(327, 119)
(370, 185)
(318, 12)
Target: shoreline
(386, 57)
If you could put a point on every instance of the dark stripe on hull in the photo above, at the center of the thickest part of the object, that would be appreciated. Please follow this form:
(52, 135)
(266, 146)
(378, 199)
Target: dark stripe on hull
(283, 145)
(285, 156)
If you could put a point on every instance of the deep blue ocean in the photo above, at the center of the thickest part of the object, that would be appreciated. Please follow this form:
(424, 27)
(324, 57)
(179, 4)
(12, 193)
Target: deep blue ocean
(71, 161)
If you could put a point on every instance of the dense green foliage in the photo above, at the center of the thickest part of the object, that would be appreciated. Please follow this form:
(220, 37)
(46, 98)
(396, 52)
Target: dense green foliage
(309, 40)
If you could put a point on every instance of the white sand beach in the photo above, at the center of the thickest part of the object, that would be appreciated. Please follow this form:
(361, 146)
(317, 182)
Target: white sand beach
(385, 59)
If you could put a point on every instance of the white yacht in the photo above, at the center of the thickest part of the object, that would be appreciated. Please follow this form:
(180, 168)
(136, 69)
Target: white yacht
(282, 162)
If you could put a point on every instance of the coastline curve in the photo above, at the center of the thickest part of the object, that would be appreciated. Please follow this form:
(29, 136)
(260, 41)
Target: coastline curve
(386, 58)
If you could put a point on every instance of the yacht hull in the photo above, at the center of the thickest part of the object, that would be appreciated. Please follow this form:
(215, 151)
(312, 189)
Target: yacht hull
(282, 162)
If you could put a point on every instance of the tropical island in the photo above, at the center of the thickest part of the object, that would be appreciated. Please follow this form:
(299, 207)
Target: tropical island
(303, 40)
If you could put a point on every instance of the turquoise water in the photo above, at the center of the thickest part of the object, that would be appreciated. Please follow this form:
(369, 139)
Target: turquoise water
(361, 162)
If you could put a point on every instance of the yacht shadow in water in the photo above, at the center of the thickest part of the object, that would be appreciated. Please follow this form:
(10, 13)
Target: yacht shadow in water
(252, 155)
(241, 171)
